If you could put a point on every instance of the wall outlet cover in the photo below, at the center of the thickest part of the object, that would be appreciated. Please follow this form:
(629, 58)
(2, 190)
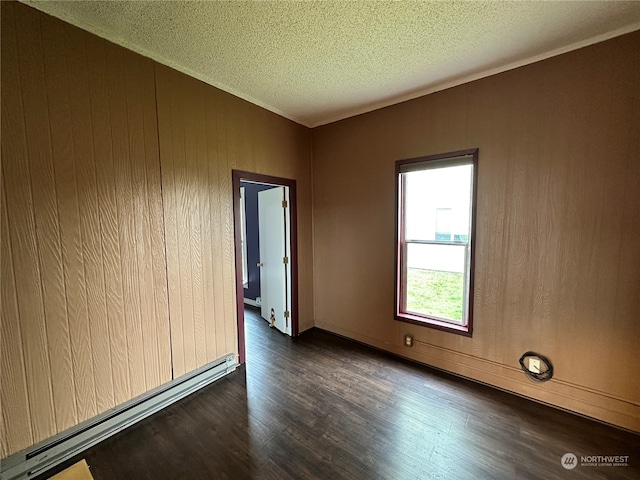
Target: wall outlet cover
(534, 365)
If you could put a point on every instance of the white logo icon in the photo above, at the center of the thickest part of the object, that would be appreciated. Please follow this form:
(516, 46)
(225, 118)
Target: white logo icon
(569, 461)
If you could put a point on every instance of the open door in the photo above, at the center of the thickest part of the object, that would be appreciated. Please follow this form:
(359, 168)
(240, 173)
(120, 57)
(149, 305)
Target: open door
(275, 284)
(289, 217)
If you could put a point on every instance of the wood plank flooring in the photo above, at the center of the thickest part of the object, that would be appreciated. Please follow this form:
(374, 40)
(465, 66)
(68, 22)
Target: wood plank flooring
(323, 407)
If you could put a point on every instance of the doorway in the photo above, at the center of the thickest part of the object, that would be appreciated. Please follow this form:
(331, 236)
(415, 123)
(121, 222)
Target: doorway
(273, 201)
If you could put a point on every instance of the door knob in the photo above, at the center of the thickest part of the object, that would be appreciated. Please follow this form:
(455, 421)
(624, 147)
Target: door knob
(259, 264)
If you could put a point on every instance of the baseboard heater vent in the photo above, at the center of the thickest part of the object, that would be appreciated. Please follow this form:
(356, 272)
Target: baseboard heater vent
(47, 454)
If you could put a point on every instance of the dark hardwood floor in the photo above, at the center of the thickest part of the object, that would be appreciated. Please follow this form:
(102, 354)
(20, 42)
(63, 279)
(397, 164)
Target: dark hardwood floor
(323, 407)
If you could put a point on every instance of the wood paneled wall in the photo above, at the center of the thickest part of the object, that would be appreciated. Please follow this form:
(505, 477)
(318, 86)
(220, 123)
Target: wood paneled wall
(204, 134)
(558, 256)
(94, 312)
(85, 322)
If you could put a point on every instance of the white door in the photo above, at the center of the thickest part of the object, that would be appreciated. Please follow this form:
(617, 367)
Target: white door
(274, 262)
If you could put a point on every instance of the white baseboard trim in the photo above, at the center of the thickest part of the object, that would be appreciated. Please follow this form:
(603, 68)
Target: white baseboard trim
(253, 303)
(47, 454)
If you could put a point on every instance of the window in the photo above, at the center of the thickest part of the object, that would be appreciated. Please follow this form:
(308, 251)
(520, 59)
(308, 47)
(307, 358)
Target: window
(435, 235)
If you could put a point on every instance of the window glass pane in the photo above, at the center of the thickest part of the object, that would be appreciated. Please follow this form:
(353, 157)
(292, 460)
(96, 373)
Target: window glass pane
(443, 224)
(438, 203)
(435, 284)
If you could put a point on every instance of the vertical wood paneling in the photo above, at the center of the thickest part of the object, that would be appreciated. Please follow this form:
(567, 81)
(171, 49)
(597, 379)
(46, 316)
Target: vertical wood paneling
(13, 395)
(126, 219)
(232, 127)
(179, 183)
(216, 150)
(193, 198)
(170, 211)
(38, 154)
(194, 124)
(64, 160)
(158, 322)
(628, 274)
(204, 134)
(91, 230)
(206, 217)
(159, 327)
(185, 204)
(83, 265)
(222, 117)
(144, 281)
(16, 174)
(105, 177)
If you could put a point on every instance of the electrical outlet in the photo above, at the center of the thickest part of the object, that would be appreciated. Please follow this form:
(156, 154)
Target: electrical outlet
(408, 340)
(534, 365)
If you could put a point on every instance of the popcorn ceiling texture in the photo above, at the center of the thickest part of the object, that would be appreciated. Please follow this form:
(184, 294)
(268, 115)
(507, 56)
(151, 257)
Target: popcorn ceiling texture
(316, 62)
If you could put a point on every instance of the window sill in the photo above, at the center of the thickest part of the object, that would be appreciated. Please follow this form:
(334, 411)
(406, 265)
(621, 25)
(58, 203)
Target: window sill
(464, 330)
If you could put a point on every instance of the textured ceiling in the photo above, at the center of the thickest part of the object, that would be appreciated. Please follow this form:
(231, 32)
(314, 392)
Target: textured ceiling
(319, 61)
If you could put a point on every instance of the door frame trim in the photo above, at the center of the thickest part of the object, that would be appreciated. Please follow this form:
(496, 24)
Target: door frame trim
(237, 177)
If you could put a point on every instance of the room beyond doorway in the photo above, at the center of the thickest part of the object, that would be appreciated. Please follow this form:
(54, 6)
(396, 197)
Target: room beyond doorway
(266, 240)
(281, 311)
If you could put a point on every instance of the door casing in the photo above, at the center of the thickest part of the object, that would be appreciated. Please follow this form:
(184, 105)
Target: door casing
(237, 177)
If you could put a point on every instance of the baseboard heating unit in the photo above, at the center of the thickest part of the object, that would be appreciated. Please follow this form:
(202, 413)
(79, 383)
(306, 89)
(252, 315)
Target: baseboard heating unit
(47, 454)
